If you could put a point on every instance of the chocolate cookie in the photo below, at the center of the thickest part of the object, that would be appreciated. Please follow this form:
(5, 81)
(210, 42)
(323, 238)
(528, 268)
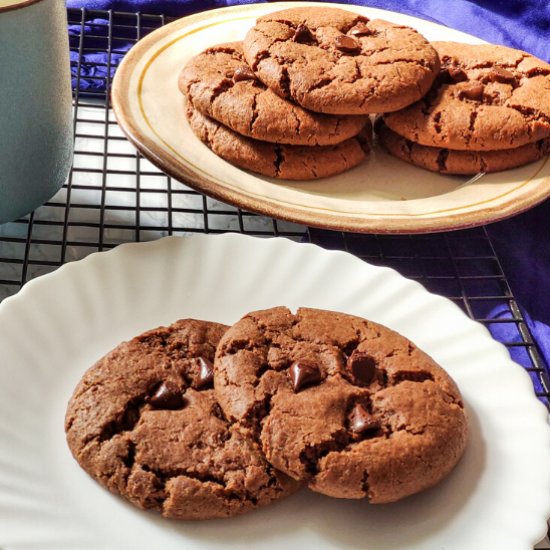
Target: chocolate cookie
(219, 84)
(448, 161)
(347, 405)
(334, 61)
(291, 162)
(144, 422)
(486, 98)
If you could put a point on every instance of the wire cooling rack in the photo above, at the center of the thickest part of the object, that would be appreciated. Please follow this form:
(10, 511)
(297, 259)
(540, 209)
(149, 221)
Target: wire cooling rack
(113, 195)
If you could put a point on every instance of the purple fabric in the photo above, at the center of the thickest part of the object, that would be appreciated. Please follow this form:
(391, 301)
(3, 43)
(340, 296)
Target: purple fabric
(523, 24)
(523, 245)
(523, 242)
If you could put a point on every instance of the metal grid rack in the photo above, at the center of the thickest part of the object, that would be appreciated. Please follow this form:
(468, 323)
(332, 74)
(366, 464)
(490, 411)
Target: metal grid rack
(114, 195)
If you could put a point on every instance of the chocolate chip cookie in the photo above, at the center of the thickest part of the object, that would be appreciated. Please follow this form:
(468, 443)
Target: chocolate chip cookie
(485, 98)
(219, 84)
(347, 405)
(448, 161)
(334, 61)
(144, 423)
(291, 162)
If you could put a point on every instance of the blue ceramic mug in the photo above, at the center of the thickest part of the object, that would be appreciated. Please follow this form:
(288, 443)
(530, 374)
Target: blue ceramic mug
(36, 138)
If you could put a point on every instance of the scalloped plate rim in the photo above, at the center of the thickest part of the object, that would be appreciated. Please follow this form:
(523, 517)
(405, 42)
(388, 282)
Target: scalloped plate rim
(41, 285)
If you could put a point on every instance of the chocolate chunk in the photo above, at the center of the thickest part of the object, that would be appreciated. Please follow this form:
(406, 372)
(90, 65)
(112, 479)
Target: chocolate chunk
(361, 421)
(303, 34)
(360, 29)
(167, 396)
(347, 44)
(206, 373)
(501, 75)
(362, 367)
(473, 92)
(303, 374)
(243, 73)
(457, 74)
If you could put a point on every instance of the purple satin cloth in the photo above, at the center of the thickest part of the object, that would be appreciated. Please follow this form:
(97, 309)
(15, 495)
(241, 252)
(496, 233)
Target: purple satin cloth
(523, 24)
(523, 242)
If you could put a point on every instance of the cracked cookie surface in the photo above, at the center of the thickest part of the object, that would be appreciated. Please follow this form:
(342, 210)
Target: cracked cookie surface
(292, 162)
(485, 98)
(449, 161)
(334, 61)
(144, 423)
(344, 404)
(219, 84)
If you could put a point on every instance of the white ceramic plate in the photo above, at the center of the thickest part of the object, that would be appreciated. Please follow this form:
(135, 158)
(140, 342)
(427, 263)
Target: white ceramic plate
(58, 325)
(381, 195)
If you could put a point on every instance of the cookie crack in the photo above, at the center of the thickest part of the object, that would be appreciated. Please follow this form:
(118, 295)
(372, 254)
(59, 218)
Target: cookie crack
(365, 484)
(166, 475)
(407, 148)
(408, 429)
(359, 19)
(357, 74)
(243, 345)
(311, 455)
(286, 22)
(258, 58)
(483, 164)
(225, 85)
(521, 59)
(369, 93)
(313, 168)
(130, 458)
(419, 376)
(534, 115)
(255, 111)
(323, 83)
(454, 400)
(259, 411)
(535, 71)
(442, 157)
(189, 85)
(298, 120)
(279, 159)
(490, 65)
(215, 50)
(373, 51)
(125, 421)
(420, 62)
(304, 164)
(284, 82)
(260, 373)
(471, 125)
(437, 121)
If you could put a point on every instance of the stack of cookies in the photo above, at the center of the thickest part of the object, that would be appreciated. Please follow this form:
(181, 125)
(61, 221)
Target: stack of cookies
(292, 101)
(488, 110)
(199, 420)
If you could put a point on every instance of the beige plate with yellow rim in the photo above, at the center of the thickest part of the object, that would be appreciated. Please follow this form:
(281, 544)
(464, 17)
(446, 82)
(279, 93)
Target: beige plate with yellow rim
(382, 195)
